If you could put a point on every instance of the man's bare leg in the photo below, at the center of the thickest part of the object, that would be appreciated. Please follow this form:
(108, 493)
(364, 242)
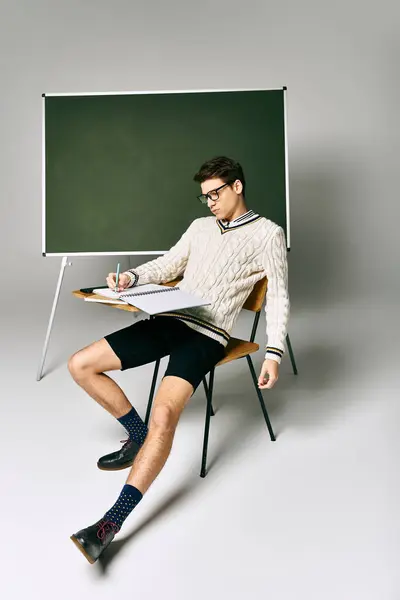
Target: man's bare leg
(87, 368)
(171, 398)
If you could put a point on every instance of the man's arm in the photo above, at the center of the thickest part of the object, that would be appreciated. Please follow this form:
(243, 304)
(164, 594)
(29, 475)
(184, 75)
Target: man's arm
(166, 267)
(277, 306)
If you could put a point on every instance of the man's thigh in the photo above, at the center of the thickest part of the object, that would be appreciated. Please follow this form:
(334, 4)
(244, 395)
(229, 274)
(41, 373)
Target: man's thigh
(171, 398)
(98, 357)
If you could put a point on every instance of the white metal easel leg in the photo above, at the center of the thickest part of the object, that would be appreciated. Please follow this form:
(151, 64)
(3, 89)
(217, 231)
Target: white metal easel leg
(64, 263)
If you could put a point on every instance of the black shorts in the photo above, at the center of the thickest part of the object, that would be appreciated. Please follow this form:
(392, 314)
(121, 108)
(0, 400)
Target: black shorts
(192, 354)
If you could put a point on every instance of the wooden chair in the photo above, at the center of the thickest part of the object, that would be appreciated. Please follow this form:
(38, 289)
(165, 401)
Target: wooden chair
(235, 349)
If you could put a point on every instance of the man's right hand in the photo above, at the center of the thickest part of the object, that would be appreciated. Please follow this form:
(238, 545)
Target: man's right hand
(123, 281)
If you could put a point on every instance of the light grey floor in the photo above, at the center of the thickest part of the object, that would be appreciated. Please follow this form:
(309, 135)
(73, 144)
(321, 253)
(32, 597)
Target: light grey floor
(312, 516)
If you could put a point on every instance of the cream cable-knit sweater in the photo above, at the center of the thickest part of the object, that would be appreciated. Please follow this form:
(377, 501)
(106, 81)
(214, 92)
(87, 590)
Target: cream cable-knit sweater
(221, 261)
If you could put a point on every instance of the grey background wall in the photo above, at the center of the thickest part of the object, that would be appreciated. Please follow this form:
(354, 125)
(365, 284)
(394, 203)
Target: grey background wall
(337, 422)
(339, 64)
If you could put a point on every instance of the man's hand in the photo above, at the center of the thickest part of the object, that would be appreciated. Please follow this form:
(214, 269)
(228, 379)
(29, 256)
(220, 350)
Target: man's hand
(270, 370)
(123, 281)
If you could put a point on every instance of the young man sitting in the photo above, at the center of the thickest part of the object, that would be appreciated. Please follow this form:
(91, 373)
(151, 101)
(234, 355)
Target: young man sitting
(221, 258)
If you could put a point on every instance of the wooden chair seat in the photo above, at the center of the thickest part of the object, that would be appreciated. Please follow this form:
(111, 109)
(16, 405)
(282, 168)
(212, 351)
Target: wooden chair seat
(237, 348)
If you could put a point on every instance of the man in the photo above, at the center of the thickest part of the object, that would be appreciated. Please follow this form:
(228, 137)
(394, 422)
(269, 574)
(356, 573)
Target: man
(222, 257)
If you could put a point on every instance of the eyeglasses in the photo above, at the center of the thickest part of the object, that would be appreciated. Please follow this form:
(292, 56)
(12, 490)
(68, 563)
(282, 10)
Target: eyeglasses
(212, 194)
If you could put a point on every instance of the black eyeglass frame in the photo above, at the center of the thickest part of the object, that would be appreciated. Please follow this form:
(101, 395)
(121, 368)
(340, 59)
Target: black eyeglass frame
(199, 198)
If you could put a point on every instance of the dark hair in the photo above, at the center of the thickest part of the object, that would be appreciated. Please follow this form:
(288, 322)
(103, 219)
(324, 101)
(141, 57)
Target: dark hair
(223, 168)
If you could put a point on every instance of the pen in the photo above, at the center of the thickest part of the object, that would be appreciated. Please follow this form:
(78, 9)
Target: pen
(116, 278)
(104, 301)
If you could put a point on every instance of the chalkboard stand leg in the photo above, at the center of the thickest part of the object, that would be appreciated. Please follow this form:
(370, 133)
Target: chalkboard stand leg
(64, 263)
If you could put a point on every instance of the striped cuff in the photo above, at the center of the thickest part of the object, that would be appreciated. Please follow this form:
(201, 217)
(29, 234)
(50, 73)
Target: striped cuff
(274, 353)
(133, 276)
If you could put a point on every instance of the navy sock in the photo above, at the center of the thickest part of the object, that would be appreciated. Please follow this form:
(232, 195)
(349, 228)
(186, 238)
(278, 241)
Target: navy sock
(128, 498)
(135, 427)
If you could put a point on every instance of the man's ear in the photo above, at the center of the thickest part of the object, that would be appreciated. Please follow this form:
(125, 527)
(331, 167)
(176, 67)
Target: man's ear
(238, 186)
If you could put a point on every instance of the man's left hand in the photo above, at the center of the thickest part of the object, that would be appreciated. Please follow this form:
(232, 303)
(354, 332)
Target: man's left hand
(269, 374)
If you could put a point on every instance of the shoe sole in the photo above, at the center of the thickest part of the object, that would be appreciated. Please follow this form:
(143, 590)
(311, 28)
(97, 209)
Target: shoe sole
(115, 468)
(82, 549)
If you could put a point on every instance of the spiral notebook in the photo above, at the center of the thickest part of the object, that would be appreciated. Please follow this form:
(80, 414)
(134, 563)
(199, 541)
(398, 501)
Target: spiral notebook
(153, 298)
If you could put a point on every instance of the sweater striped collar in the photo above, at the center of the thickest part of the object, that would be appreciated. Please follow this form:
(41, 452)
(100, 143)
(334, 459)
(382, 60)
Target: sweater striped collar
(249, 217)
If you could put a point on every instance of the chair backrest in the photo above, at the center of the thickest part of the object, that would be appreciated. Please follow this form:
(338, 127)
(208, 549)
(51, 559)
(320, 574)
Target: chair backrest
(256, 297)
(254, 300)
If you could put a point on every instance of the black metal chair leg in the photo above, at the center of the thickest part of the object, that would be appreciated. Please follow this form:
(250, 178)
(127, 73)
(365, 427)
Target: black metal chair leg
(153, 385)
(291, 354)
(260, 397)
(206, 391)
(203, 471)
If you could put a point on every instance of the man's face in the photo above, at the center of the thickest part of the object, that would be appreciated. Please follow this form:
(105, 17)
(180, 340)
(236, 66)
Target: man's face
(227, 196)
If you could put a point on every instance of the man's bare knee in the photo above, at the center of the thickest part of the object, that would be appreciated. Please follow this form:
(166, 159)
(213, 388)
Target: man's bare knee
(164, 417)
(96, 358)
(79, 366)
(171, 398)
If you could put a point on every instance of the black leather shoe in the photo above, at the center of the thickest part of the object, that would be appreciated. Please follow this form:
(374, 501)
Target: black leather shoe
(121, 459)
(93, 540)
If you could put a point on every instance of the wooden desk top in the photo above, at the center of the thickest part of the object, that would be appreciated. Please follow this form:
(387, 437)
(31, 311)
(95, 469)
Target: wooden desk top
(127, 307)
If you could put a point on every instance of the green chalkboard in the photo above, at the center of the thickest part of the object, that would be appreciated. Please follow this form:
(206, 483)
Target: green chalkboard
(118, 168)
